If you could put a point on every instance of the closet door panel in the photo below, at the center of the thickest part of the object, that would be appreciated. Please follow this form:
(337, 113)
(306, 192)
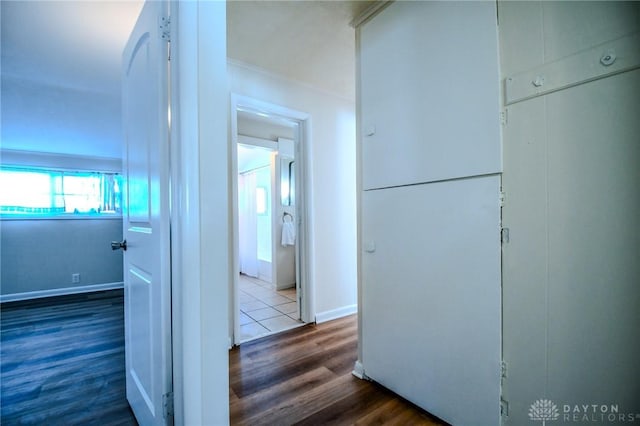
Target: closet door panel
(431, 296)
(429, 91)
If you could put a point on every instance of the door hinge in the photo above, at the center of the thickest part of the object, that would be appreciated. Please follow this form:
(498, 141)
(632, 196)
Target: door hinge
(504, 408)
(165, 28)
(503, 117)
(504, 235)
(503, 369)
(167, 403)
(502, 197)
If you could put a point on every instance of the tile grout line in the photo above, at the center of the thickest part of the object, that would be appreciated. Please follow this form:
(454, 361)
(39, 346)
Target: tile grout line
(260, 292)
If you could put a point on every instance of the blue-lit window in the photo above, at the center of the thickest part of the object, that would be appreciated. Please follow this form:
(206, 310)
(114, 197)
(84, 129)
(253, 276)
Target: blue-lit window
(38, 192)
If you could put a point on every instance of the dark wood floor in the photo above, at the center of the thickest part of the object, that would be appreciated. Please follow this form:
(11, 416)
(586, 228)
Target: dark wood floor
(303, 377)
(62, 361)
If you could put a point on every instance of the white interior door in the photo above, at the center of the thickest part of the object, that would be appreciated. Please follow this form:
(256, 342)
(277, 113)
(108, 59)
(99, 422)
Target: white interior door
(146, 218)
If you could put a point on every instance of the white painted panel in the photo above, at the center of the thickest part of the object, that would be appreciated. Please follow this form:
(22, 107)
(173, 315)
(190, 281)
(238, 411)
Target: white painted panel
(139, 306)
(570, 278)
(594, 243)
(431, 296)
(533, 33)
(521, 37)
(573, 26)
(138, 141)
(429, 93)
(601, 61)
(524, 257)
(571, 307)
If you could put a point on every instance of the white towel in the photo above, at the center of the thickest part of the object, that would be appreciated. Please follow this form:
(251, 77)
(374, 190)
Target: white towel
(288, 234)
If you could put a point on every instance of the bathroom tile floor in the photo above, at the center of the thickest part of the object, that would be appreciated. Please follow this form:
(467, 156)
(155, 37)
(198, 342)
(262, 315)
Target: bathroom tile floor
(263, 310)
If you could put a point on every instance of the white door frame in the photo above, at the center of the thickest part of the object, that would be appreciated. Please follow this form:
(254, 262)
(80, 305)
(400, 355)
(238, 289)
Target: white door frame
(303, 249)
(199, 216)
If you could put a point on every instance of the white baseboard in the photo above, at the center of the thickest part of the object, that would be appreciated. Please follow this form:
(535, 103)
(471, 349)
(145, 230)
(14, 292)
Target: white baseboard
(285, 286)
(336, 313)
(358, 371)
(60, 292)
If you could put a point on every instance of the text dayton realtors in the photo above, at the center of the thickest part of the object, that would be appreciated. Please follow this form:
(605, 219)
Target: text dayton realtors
(596, 413)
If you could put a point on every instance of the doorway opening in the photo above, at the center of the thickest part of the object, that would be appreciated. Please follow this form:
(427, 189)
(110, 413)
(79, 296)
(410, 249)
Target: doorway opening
(270, 287)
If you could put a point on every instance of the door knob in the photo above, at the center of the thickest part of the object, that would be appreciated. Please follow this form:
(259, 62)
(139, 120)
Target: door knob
(117, 245)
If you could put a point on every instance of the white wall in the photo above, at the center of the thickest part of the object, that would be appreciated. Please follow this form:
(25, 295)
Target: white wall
(571, 295)
(332, 204)
(40, 254)
(40, 117)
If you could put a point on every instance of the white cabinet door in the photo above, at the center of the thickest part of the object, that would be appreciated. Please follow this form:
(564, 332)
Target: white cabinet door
(146, 218)
(571, 294)
(431, 296)
(429, 93)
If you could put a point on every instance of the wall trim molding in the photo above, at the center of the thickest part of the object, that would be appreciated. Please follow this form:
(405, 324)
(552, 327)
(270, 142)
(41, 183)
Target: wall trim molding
(60, 292)
(358, 371)
(336, 313)
(369, 13)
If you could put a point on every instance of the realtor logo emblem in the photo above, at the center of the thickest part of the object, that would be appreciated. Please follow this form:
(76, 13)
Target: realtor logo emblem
(543, 410)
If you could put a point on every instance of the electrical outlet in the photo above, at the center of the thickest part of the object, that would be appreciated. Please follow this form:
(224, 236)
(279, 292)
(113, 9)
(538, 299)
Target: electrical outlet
(75, 278)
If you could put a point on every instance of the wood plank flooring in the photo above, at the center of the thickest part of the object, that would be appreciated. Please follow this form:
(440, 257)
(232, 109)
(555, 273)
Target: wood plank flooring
(62, 361)
(303, 377)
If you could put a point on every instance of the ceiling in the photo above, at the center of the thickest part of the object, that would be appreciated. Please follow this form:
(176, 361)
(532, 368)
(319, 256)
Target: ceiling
(61, 62)
(69, 44)
(252, 157)
(308, 41)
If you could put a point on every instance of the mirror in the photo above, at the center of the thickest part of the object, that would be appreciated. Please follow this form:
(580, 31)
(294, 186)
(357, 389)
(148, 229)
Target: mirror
(287, 181)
